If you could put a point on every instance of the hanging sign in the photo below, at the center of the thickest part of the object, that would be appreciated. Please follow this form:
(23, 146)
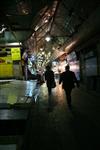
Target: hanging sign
(15, 52)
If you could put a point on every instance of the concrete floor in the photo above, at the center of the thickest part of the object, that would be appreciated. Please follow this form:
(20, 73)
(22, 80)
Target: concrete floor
(61, 128)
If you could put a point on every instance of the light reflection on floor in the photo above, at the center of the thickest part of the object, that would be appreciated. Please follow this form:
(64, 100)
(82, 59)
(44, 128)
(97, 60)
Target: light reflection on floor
(16, 91)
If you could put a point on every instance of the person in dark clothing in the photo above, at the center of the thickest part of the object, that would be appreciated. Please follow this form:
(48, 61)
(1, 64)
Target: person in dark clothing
(68, 80)
(49, 78)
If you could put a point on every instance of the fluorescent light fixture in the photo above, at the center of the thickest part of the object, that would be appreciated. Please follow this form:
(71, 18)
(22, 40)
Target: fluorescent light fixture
(15, 44)
(12, 44)
(2, 30)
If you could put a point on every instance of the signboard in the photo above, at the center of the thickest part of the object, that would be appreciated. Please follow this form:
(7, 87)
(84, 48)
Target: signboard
(15, 52)
(6, 60)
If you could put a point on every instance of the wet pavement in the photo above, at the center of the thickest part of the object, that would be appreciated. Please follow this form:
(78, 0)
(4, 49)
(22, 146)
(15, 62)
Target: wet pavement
(52, 125)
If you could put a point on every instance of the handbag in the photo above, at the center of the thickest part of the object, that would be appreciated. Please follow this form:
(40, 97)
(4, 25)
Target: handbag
(53, 84)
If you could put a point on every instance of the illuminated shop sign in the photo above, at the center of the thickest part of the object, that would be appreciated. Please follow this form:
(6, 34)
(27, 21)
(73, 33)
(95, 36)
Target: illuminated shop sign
(15, 52)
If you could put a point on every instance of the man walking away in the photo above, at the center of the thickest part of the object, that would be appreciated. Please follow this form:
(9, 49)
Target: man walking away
(68, 80)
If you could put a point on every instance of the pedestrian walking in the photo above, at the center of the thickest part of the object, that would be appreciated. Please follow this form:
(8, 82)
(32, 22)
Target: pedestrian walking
(49, 78)
(68, 80)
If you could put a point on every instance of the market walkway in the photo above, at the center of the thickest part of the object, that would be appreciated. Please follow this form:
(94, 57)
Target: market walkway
(61, 128)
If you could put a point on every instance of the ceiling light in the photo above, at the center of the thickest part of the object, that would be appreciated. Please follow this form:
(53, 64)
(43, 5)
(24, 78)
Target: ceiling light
(3, 28)
(46, 21)
(36, 28)
(48, 38)
(41, 49)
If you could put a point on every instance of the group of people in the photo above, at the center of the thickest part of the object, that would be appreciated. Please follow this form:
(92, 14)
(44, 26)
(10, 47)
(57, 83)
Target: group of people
(67, 79)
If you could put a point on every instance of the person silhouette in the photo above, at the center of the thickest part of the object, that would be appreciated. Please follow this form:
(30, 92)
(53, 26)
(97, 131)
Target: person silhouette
(68, 80)
(49, 78)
